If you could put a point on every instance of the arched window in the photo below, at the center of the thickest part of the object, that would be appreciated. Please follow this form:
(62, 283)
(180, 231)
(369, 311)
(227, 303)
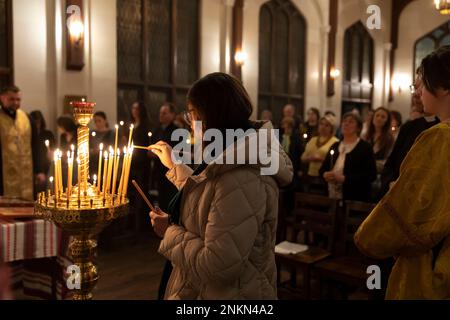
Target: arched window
(358, 75)
(6, 63)
(282, 43)
(435, 39)
(158, 52)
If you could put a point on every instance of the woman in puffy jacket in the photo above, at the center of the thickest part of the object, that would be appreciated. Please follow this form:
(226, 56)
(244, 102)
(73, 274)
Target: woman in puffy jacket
(219, 233)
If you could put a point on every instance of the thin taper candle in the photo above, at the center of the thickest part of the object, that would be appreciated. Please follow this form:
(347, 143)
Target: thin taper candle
(69, 174)
(105, 172)
(131, 135)
(99, 173)
(116, 170)
(110, 167)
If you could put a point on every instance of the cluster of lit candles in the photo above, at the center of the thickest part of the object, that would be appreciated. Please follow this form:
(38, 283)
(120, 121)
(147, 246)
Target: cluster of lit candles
(107, 186)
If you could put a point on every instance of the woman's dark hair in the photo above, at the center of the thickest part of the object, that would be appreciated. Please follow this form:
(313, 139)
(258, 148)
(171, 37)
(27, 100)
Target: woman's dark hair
(100, 114)
(354, 117)
(386, 135)
(67, 123)
(316, 111)
(397, 116)
(222, 101)
(142, 111)
(435, 70)
(36, 115)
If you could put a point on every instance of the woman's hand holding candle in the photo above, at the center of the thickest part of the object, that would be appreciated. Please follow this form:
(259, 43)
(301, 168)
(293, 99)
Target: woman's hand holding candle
(164, 153)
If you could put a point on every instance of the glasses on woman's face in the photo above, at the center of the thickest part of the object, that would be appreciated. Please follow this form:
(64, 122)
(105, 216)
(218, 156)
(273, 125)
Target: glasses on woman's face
(412, 89)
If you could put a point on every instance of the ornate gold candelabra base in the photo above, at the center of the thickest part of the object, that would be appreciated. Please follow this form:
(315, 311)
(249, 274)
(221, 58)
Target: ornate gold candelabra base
(83, 224)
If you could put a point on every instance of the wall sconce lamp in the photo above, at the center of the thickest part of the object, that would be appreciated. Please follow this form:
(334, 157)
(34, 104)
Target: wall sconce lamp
(335, 73)
(75, 35)
(400, 82)
(240, 58)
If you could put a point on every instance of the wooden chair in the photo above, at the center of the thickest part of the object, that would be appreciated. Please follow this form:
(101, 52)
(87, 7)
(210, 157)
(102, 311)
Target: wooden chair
(314, 217)
(348, 267)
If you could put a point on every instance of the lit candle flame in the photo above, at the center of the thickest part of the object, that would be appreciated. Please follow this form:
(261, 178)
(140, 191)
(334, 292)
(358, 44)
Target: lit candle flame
(94, 134)
(305, 136)
(101, 146)
(332, 152)
(47, 143)
(116, 126)
(150, 134)
(72, 147)
(105, 154)
(50, 179)
(121, 123)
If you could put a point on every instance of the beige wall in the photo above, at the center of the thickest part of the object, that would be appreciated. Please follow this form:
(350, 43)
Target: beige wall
(39, 56)
(419, 18)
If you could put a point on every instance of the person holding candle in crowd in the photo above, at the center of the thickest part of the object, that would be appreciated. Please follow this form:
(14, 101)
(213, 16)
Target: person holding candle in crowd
(20, 167)
(166, 190)
(140, 165)
(67, 128)
(412, 221)
(101, 134)
(44, 136)
(316, 151)
(220, 237)
(310, 127)
(351, 169)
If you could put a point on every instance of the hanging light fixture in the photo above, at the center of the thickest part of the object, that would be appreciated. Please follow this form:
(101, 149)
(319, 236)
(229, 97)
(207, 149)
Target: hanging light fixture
(443, 6)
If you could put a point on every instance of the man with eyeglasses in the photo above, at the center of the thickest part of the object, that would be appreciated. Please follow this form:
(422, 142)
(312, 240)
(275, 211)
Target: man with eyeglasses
(406, 138)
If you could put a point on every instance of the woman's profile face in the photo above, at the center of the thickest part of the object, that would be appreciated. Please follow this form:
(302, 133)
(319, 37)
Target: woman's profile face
(380, 118)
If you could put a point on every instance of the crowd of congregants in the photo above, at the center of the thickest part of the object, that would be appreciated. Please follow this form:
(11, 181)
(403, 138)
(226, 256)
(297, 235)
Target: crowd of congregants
(357, 159)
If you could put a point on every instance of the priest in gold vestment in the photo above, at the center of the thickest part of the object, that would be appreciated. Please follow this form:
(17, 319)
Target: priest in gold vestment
(412, 222)
(20, 158)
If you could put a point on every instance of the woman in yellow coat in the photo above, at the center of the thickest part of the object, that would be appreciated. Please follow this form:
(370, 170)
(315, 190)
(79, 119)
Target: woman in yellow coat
(412, 222)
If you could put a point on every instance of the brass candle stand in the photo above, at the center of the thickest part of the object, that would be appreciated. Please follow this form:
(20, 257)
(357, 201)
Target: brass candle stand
(85, 209)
